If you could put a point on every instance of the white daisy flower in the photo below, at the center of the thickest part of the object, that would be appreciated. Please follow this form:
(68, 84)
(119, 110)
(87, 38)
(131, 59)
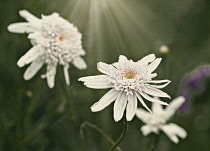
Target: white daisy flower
(55, 42)
(128, 81)
(158, 120)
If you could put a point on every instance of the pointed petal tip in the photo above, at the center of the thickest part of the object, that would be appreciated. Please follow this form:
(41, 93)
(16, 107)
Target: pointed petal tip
(152, 55)
(166, 104)
(19, 63)
(51, 85)
(25, 78)
(182, 98)
(122, 56)
(98, 64)
(168, 96)
(116, 120)
(128, 119)
(9, 28)
(159, 59)
(83, 68)
(21, 12)
(150, 112)
(81, 79)
(79, 63)
(93, 109)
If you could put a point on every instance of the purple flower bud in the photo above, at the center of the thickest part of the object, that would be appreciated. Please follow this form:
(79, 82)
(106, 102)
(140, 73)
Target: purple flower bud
(192, 84)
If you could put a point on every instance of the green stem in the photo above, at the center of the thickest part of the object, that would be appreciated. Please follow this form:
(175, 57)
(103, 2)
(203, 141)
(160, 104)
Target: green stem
(100, 131)
(68, 100)
(121, 136)
(154, 147)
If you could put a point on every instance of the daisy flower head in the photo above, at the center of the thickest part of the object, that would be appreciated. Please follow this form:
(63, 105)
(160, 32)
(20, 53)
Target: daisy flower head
(55, 42)
(129, 81)
(157, 121)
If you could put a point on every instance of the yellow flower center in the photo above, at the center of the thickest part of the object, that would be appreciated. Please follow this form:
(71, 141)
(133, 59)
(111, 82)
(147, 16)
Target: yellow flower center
(130, 74)
(62, 37)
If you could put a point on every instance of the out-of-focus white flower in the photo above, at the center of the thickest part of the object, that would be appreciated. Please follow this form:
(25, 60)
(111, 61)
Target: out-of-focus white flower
(55, 42)
(158, 120)
(128, 81)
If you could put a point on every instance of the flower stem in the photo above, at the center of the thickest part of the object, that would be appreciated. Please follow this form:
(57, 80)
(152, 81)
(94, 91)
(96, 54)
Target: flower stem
(68, 100)
(100, 131)
(121, 136)
(154, 147)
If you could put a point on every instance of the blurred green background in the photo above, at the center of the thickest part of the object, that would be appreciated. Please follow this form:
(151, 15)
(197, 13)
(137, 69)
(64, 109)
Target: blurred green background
(36, 118)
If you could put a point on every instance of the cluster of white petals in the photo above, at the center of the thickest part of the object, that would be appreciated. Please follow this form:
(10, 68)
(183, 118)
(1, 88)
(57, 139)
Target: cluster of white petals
(55, 42)
(129, 81)
(158, 120)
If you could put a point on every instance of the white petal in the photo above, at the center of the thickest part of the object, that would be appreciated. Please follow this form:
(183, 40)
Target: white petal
(122, 62)
(147, 97)
(104, 68)
(153, 75)
(143, 115)
(79, 63)
(66, 74)
(21, 28)
(155, 92)
(142, 102)
(159, 81)
(106, 100)
(31, 55)
(147, 129)
(178, 130)
(171, 136)
(97, 82)
(174, 105)
(36, 36)
(34, 42)
(147, 59)
(33, 69)
(119, 106)
(157, 108)
(122, 58)
(82, 52)
(51, 71)
(173, 130)
(154, 65)
(28, 16)
(93, 78)
(131, 107)
(99, 85)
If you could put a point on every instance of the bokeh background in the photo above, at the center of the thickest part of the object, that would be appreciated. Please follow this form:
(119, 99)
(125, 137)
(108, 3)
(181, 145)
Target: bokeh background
(36, 118)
